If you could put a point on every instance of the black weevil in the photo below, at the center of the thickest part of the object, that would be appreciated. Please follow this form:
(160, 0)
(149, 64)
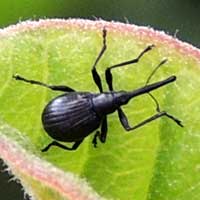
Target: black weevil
(74, 115)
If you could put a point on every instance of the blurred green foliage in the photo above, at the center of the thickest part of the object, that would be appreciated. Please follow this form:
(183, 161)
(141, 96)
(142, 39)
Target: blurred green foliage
(171, 15)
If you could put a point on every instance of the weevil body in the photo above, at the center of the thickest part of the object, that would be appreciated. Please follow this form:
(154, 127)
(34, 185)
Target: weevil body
(72, 116)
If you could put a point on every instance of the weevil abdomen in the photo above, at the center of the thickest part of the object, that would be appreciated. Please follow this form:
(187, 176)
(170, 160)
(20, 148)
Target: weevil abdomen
(70, 117)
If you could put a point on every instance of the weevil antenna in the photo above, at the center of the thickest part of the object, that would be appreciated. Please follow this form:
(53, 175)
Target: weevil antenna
(155, 69)
(148, 80)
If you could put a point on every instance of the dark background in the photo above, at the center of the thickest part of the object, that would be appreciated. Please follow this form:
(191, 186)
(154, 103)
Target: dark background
(168, 15)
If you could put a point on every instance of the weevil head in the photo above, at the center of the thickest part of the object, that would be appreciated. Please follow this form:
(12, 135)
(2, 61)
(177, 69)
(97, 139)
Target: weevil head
(121, 98)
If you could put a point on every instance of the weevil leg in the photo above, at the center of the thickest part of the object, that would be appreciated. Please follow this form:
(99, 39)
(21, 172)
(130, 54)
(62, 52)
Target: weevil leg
(101, 135)
(104, 130)
(95, 75)
(94, 141)
(55, 143)
(108, 73)
(125, 123)
(52, 87)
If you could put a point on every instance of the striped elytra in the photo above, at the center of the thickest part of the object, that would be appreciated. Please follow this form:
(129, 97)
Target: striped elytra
(70, 117)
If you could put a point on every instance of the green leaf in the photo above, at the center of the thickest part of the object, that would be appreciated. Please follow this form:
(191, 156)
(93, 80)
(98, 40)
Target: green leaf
(157, 161)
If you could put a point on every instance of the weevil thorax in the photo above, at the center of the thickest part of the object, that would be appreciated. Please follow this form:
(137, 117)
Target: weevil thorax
(108, 102)
(103, 103)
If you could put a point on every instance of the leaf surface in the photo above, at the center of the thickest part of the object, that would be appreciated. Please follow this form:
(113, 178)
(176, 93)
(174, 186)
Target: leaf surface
(158, 161)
